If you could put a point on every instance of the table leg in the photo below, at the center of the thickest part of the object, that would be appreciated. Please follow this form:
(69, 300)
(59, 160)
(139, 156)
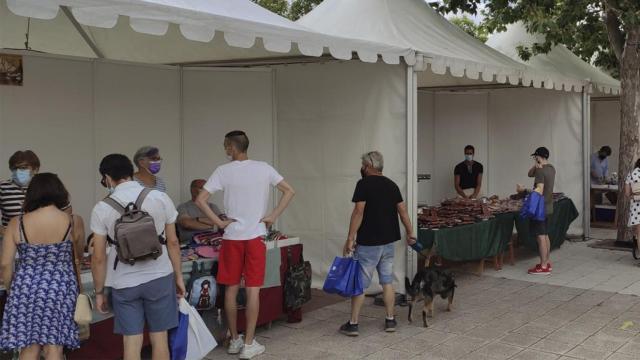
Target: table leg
(480, 267)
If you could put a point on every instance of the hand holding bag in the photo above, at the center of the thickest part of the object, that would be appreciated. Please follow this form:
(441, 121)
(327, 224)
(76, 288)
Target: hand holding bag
(200, 342)
(344, 277)
(533, 207)
(178, 336)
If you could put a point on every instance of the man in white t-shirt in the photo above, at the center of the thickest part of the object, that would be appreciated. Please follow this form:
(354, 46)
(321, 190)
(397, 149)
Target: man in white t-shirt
(146, 292)
(246, 185)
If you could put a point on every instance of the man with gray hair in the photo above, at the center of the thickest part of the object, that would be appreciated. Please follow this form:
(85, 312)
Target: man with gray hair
(373, 230)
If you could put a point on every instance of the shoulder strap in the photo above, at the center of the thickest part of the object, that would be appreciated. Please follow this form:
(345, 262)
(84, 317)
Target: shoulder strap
(114, 204)
(23, 235)
(141, 197)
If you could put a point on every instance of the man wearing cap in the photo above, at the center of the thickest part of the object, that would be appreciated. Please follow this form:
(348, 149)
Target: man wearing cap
(544, 175)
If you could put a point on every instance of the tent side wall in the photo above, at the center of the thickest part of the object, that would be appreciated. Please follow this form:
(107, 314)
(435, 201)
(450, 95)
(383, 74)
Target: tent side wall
(605, 128)
(72, 112)
(327, 118)
(505, 126)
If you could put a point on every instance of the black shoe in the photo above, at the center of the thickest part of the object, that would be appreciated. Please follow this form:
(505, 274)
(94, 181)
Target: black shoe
(390, 325)
(349, 329)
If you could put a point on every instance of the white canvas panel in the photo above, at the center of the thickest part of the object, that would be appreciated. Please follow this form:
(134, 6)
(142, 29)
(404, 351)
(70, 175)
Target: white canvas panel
(520, 120)
(217, 102)
(321, 136)
(137, 106)
(605, 128)
(460, 120)
(52, 115)
(426, 148)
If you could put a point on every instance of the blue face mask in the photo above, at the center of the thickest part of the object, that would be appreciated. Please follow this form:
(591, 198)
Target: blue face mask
(468, 157)
(21, 177)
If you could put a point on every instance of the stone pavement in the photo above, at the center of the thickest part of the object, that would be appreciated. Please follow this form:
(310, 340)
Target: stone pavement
(577, 265)
(493, 318)
(588, 309)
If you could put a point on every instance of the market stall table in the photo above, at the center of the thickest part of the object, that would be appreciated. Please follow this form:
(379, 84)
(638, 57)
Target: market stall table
(564, 213)
(596, 190)
(104, 344)
(476, 241)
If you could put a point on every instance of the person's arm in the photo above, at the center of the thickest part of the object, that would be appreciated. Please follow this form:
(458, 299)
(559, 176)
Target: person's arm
(356, 220)
(8, 252)
(627, 190)
(287, 195)
(99, 270)
(539, 182)
(406, 221)
(458, 188)
(199, 223)
(202, 201)
(173, 250)
(78, 237)
(478, 187)
(532, 171)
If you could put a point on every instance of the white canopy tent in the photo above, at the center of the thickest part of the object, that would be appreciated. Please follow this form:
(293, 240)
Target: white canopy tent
(472, 95)
(603, 122)
(97, 82)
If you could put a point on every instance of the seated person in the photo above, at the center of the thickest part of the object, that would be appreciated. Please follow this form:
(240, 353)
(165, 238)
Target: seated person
(468, 175)
(191, 220)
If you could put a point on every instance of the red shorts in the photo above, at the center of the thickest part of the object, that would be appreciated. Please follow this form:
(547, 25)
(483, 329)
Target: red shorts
(242, 258)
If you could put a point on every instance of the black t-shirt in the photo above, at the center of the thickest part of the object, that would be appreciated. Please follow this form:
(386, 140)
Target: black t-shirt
(380, 224)
(468, 179)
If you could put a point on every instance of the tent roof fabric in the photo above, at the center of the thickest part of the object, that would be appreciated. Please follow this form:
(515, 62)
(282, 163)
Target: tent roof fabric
(559, 59)
(242, 22)
(414, 24)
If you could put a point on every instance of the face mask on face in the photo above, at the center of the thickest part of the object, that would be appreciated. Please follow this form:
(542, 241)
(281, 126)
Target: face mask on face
(21, 177)
(154, 167)
(468, 157)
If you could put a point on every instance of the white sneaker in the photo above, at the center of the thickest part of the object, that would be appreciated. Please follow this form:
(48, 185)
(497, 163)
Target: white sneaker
(235, 346)
(249, 351)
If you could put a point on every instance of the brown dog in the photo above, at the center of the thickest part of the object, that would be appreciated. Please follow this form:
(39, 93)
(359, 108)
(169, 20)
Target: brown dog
(426, 285)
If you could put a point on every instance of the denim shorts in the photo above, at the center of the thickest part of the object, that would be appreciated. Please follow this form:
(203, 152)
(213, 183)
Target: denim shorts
(375, 258)
(154, 303)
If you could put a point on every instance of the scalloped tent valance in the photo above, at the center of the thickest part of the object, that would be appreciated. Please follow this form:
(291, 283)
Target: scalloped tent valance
(559, 59)
(446, 48)
(242, 23)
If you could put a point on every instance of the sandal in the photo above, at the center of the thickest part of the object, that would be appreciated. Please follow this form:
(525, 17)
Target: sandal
(634, 252)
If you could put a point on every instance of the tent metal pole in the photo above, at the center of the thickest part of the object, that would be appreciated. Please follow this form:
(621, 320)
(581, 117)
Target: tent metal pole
(81, 31)
(586, 153)
(411, 200)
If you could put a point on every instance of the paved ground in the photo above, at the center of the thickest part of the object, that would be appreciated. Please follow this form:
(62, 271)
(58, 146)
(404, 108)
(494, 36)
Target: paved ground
(577, 265)
(583, 311)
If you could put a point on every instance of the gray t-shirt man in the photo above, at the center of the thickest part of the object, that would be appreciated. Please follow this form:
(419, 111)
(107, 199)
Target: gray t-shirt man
(547, 176)
(191, 210)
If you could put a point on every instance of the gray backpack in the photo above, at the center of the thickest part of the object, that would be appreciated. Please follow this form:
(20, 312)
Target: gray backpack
(135, 232)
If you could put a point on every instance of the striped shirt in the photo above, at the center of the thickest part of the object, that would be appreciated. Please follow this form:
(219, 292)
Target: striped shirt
(11, 200)
(160, 185)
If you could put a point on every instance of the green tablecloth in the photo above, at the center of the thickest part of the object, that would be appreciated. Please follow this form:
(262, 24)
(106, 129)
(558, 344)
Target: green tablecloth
(470, 242)
(564, 213)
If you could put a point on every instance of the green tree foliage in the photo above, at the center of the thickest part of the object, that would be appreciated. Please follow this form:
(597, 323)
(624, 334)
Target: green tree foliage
(593, 29)
(301, 7)
(478, 31)
(280, 7)
(293, 11)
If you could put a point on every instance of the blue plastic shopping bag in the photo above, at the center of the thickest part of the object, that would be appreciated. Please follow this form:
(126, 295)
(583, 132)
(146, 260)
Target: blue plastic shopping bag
(344, 278)
(533, 207)
(178, 338)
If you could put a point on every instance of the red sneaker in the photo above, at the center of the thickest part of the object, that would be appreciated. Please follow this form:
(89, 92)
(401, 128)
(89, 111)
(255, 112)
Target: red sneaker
(539, 270)
(549, 266)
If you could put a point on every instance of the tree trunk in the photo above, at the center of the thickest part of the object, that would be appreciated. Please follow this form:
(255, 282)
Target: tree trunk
(629, 122)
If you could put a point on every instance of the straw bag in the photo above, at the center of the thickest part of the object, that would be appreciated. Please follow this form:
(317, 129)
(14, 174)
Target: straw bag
(635, 190)
(83, 313)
